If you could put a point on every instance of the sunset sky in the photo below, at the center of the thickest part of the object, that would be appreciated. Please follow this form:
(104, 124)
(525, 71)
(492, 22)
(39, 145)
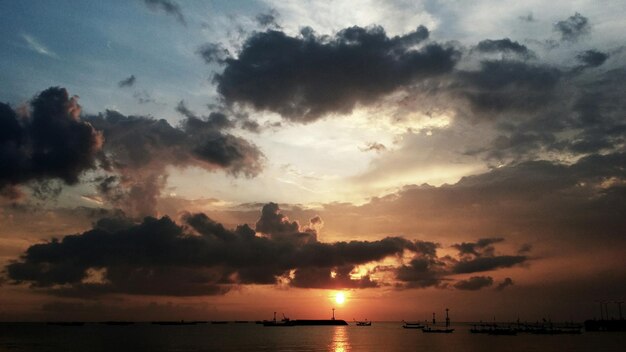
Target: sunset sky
(222, 160)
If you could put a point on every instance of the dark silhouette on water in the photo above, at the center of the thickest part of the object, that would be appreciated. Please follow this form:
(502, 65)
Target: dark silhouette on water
(304, 322)
(412, 325)
(605, 323)
(362, 322)
(433, 329)
(493, 329)
(284, 322)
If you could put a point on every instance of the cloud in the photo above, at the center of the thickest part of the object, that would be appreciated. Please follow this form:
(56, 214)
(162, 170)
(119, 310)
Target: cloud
(127, 82)
(168, 6)
(504, 284)
(38, 47)
(480, 264)
(305, 77)
(200, 257)
(139, 149)
(509, 85)
(573, 28)
(51, 142)
(426, 269)
(474, 283)
(505, 45)
(591, 58)
(373, 146)
(268, 19)
(213, 52)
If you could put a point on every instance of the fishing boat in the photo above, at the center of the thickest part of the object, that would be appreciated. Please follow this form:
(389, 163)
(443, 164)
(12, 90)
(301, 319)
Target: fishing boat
(284, 322)
(434, 329)
(412, 325)
(363, 322)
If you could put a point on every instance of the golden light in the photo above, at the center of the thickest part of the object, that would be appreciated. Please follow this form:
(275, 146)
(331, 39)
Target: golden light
(340, 297)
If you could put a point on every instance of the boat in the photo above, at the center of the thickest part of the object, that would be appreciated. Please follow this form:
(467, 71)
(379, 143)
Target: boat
(433, 329)
(284, 322)
(492, 329)
(362, 323)
(412, 325)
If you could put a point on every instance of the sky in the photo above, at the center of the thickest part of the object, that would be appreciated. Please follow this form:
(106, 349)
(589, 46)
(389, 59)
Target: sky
(222, 160)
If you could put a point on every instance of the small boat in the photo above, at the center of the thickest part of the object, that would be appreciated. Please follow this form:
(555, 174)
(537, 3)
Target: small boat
(363, 323)
(284, 322)
(412, 325)
(433, 329)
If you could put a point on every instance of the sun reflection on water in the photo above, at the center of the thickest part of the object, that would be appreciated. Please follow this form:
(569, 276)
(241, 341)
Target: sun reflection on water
(341, 342)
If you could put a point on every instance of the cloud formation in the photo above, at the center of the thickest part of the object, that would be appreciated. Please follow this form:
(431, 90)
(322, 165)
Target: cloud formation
(201, 257)
(168, 6)
(573, 28)
(50, 141)
(505, 45)
(305, 77)
(139, 149)
(127, 82)
(474, 283)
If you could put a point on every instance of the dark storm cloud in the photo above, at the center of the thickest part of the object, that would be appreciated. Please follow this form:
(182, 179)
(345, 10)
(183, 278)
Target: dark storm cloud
(573, 28)
(592, 58)
(306, 77)
(127, 82)
(508, 85)
(481, 247)
(215, 120)
(169, 7)
(202, 257)
(50, 143)
(426, 269)
(139, 149)
(504, 284)
(474, 283)
(421, 272)
(505, 45)
(480, 264)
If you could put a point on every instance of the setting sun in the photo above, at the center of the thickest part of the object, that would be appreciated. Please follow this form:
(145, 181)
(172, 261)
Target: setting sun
(340, 297)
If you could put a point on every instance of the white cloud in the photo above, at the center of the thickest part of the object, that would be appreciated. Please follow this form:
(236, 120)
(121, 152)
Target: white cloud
(38, 47)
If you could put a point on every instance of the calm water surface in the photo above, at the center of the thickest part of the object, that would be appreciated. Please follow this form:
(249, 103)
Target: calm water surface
(252, 337)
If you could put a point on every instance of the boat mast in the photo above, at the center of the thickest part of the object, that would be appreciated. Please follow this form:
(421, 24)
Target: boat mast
(434, 318)
(333, 313)
(447, 319)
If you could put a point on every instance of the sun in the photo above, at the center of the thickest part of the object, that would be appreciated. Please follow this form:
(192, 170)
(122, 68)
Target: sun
(340, 297)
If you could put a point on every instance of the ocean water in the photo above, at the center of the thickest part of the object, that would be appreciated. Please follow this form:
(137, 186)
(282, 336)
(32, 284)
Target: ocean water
(252, 337)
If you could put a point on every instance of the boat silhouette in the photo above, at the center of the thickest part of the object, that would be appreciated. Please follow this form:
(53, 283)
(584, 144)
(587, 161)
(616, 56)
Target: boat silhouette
(284, 322)
(304, 322)
(412, 325)
(434, 329)
(362, 322)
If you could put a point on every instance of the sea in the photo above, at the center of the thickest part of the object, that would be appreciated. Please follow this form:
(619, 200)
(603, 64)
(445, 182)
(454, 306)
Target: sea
(381, 336)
